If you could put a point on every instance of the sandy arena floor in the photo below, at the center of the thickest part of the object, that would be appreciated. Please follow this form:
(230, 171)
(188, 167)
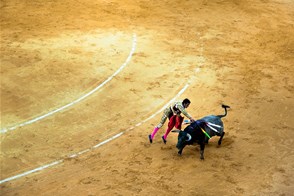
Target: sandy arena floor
(75, 73)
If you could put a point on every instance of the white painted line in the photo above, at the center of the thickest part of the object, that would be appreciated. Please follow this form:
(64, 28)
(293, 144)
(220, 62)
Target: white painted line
(72, 156)
(100, 144)
(31, 171)
(108, 140)
(81, 98)
(96, 146)
(84, 151)
(169, 103)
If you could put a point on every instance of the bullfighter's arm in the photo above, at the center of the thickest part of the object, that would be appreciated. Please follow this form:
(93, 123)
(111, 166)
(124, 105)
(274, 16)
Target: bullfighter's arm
(182, 109)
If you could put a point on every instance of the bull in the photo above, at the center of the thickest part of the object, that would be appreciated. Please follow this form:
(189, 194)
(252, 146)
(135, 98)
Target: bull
(200, 131)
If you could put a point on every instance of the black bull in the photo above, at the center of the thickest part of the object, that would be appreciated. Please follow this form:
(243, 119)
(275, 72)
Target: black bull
(194, 133)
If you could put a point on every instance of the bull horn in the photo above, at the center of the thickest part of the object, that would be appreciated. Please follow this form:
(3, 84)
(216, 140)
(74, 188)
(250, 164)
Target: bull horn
(189, 137)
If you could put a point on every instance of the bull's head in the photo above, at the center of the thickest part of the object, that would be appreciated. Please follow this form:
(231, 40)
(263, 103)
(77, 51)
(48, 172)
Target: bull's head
(183, 138)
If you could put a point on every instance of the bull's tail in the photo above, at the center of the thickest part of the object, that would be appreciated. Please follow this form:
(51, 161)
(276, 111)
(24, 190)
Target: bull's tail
(225, 107)
(176, 131)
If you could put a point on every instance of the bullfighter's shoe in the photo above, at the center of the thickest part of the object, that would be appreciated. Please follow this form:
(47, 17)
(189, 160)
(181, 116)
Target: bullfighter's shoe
(163, 139)
(150, 139)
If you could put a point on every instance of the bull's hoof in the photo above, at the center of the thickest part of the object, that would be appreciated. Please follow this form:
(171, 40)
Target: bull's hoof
(180, 153)
(221, 138)
(202, 155)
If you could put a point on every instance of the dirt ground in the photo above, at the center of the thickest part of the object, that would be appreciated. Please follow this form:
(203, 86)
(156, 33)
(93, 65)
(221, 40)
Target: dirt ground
(236, 52)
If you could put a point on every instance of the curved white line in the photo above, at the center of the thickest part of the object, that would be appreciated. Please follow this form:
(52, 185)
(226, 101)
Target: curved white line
(81, 98)
(105, 141)
(93, 147)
